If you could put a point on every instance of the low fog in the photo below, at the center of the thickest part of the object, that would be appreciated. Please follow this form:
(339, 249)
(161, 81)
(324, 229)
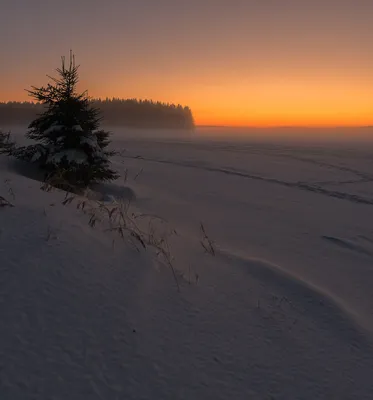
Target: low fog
(338, 136)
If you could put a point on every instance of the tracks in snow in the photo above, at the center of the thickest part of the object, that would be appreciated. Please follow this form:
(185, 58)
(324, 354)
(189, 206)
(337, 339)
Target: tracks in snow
(295, 185)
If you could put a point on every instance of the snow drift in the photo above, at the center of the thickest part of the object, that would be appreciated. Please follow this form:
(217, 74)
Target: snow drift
(282, 310)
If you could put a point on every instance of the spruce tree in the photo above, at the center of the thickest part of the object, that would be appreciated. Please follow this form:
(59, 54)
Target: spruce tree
(70, 141)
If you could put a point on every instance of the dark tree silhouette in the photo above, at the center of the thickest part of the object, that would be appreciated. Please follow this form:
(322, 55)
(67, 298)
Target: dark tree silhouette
(67, 132)
(115, 111)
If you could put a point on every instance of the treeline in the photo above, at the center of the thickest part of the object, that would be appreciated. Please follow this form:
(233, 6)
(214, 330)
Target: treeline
(115, 112)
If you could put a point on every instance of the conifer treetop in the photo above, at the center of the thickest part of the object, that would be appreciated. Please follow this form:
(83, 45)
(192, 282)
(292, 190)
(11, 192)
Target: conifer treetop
(63, 88)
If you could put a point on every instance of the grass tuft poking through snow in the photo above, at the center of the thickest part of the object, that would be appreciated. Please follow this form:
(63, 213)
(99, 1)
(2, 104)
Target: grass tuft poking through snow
(206, 242)
(139, 230)
(4, 202)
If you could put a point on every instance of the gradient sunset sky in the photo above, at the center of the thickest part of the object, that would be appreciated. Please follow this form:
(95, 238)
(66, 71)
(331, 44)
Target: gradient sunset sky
(234, 62)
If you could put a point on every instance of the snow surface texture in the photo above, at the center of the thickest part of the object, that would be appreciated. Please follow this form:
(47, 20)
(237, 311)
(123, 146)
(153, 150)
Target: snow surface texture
(283, 310)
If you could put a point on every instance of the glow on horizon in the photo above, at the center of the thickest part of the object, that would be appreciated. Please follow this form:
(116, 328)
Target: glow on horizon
(281, 103)
(252, 63)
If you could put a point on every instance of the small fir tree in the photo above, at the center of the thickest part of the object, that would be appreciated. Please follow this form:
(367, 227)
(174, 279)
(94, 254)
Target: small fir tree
(70, 141)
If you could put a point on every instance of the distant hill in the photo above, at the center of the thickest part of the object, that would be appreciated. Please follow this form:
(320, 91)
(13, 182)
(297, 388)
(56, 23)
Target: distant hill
(115, 112)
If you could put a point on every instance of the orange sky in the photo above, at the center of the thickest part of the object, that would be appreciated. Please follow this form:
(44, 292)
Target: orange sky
(242, 63)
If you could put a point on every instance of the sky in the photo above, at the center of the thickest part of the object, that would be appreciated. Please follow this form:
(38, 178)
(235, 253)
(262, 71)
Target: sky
(234, 62)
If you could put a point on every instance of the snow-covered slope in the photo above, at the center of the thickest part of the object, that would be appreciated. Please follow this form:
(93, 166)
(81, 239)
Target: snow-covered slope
(282, 311)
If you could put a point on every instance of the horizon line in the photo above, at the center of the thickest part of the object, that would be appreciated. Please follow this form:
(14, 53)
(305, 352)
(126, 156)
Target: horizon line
(282, 126)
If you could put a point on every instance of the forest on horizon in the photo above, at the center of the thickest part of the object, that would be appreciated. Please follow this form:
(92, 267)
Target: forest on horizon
(114, 112)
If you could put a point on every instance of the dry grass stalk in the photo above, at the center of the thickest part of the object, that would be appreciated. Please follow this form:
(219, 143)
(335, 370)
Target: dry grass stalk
(139, 229)
(5, 203)
(206, 242)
